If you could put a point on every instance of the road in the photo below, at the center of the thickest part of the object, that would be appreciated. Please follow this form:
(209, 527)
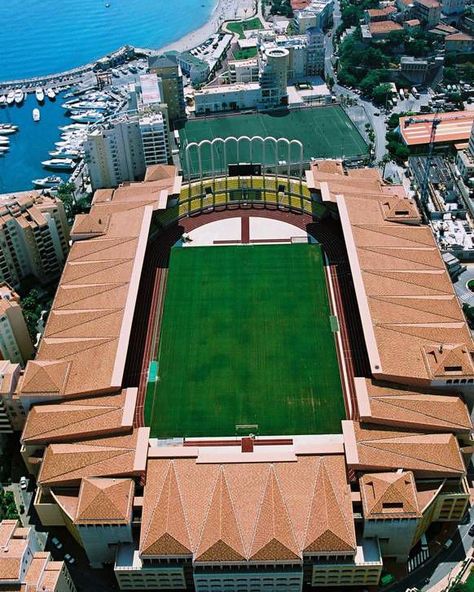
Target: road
(440, 566)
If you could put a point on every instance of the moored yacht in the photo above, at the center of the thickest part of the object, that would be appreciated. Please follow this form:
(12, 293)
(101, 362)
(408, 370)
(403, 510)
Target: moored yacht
(87, 117)
(36, 114)
(51, 181)
(39, 93)
(3, 100)
(50, 94)
(7, 129)
(65, 164)
(19, 96)
(10, 97)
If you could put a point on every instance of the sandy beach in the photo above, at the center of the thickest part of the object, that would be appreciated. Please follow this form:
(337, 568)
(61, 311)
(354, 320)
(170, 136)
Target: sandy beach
(225, 10)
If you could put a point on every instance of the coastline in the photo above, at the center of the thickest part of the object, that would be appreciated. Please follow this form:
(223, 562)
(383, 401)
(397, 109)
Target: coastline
(225, 10)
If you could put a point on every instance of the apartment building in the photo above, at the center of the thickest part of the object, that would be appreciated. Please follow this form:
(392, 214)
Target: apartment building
(459, 43)
(121, 150)
(25, 566)
(34, 238)
(172, 80)
(12, 418)
(15, 340)
(428, 11)
(262, 81)
(453, 7)
(317, 13)
(154, 136)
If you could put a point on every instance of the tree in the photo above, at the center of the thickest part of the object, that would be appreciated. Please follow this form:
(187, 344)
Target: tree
(369, 82)
(381, 92)
(32, 308)
(346, 78)
(72, 206)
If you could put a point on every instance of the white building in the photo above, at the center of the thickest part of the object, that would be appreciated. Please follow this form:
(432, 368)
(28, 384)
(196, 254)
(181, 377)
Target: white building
(243, 71)
(34, 236)
(317, 14)
(122, 149)
(15, 340)
(114, 153)
(228, 97)
(154, 135)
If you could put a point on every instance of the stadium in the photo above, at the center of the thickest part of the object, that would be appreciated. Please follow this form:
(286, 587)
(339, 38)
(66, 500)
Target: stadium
(255, 379)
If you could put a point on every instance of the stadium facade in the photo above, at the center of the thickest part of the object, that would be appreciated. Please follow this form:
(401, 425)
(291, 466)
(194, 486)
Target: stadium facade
(251, 512)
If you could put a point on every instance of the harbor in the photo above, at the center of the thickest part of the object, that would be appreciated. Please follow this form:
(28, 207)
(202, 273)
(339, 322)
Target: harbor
(42, 135)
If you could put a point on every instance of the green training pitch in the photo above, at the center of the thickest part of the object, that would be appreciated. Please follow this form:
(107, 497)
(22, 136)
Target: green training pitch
(325, 132)
(246, 339)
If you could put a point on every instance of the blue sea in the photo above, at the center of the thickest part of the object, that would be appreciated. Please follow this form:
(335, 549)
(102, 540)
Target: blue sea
(39, 37)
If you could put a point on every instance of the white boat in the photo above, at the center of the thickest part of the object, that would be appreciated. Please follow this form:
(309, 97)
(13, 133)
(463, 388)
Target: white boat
(86, 106)
(3, 100)
(74, 126)
(8, 128)
(36, 114)
(50, 94)
(51, 181)
(4, 141)
(19, 96)
(65, 164)
(39, 93)
(11, 97)
(87, 117)
(66, 153)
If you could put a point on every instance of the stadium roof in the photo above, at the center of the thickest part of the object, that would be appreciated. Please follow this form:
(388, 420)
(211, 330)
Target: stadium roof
(417, 409)
(453, 127)
(389, 495)
(414, 327)
(86, 338)
(105, 501)
(67, 464)
(80, 418)
(247, 511)
(373, 448)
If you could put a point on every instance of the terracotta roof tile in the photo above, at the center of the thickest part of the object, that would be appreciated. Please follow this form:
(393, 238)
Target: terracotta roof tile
(245, 511)
(105, 501)
(91, 416)
(105, 457)
(389, 495)
(417, 409)
(220, 538)
(369, 448)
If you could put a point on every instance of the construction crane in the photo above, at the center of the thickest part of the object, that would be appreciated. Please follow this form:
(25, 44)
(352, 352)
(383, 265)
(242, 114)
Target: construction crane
(435, 121)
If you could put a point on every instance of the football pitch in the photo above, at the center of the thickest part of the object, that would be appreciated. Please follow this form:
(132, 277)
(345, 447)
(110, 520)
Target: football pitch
(325, 132)
(245, 339)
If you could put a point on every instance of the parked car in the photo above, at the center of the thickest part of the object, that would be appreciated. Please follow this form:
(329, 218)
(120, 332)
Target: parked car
(69, 558)
(23, 483)
(448, 543)
(471, 531)
(57, 543)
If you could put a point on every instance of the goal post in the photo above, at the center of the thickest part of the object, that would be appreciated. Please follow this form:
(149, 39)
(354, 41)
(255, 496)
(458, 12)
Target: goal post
(246, 429)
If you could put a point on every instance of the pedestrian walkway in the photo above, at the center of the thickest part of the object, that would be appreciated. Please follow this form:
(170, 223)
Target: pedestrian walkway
(418, 559)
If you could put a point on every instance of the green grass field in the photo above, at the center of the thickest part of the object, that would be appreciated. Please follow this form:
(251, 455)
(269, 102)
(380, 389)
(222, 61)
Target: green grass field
(246, 339)
(241, 26)
(325, 132)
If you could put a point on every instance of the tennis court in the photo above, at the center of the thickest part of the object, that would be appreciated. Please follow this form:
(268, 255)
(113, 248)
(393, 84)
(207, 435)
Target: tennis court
(246, 339)
(325, 132)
